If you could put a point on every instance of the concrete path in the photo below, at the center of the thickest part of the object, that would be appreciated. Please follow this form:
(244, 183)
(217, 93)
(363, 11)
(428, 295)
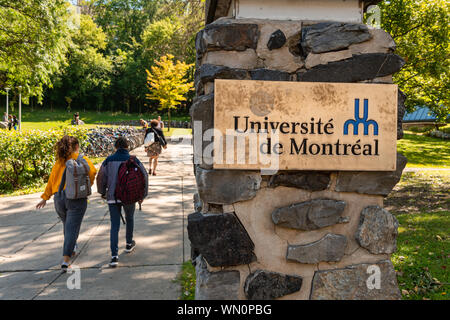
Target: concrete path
(31, 241)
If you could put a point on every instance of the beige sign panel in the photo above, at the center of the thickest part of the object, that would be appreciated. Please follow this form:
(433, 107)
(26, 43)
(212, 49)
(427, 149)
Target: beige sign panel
(304, 125)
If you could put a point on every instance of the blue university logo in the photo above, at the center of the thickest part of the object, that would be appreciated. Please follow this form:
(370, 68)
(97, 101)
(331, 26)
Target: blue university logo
(357, 121)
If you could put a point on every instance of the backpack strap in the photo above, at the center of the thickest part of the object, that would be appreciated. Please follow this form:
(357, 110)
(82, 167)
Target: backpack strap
(63, 181)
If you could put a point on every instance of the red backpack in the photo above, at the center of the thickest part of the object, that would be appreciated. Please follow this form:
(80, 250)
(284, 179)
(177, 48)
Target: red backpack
(130, 186)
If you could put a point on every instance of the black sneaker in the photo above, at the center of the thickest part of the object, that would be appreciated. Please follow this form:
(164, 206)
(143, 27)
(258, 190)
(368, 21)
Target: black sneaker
(130, 246)
(114, 262)
(64, 266)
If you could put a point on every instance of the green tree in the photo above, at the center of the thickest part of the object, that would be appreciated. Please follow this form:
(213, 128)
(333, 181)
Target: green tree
(86, 77)
(420, 29)
(33, 42)
(167, 83)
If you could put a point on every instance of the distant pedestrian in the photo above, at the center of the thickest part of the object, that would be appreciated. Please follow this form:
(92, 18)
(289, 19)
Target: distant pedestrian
(123, 181)
(144, 124)
(10, 122)
(14, 122)
(160, 123)
(154, 140)
(76, 121)
(5, 117)
(70, 181)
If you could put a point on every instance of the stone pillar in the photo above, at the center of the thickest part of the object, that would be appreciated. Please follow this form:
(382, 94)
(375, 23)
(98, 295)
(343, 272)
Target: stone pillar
(293, 235)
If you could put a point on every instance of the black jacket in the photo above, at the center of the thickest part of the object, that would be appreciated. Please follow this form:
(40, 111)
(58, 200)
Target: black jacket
(159, 135)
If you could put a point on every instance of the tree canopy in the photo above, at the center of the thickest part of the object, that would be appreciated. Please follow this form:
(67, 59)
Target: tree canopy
(420, 29)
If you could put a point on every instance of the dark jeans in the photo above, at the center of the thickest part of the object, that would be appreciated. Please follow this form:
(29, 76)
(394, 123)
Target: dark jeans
(114, 212)
(71, 213)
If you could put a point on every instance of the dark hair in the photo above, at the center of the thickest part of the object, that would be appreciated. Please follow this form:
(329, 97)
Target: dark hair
(121, 143)
(154, 123)
(65, 147)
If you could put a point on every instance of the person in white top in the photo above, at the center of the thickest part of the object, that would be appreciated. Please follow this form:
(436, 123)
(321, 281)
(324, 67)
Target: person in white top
(160, 123)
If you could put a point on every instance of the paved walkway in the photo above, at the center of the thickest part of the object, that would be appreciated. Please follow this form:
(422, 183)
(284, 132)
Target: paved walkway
(31, 241)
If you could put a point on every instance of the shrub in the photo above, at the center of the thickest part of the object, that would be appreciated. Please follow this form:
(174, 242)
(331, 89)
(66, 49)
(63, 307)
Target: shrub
(28, 156)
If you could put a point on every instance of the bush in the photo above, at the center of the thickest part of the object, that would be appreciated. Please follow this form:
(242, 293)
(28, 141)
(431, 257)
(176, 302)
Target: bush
(28, 156)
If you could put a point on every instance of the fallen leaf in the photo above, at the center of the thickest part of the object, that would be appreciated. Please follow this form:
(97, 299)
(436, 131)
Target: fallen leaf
(405, 292)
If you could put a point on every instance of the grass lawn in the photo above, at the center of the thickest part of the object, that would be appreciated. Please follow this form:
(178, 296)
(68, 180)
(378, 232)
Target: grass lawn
(43, 120)
(423, 151)
(421, 203)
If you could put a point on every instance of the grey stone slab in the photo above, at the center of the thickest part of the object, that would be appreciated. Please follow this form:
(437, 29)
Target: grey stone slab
(221, 239)
(220, 285)
(330, 248)
(332, 36)
(375, 182)
(357, 282)
(230, 36)
(277, 40)
(266, 285)
(138, 283)
(377, 230)
(25, 285)
(310, 215)
(314, 181)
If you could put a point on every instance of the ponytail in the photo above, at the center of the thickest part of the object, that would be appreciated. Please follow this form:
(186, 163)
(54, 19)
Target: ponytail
(65, 147)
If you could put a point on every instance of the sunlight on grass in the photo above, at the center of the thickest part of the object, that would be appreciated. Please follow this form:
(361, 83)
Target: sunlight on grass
(423, 151)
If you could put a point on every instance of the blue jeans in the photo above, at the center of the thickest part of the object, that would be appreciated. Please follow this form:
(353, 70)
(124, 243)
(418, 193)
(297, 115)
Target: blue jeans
(114, 213)
(71, 213)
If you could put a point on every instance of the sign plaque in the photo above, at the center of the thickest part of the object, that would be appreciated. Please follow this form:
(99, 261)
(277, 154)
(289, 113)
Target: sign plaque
(304, 125)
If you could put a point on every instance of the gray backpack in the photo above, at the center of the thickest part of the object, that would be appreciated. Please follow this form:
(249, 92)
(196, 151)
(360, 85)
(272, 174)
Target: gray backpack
(76, 179)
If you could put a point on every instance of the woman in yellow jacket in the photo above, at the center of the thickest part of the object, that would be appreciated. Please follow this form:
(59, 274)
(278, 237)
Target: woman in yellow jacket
(70, 211)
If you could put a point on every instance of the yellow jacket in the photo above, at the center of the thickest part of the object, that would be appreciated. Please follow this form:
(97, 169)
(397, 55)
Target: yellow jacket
(57, 173)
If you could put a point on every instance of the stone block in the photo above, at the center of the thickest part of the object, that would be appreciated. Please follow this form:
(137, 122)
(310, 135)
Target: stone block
(332, 36)
(220, 285)
(371, 182)
(377, 230)
(220, 239)
(230, 36)
(400, 113)
(310, 215)
(357, 282)
(314, 59)
(358, 68)
(269, 75)
(266, 285)
(330, 248)
(277, 40)
(227, 186)
(313, 181)
(233, 59)
(380, 42)
(209, 72)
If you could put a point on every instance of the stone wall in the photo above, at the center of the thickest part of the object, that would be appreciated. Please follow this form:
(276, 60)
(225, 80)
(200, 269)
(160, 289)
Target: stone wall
(292, 235)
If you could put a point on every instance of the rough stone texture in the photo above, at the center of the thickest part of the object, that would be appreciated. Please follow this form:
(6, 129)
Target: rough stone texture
(230, 36)
(227, 186)
(236, 59)
(220, 239)
(310, 215)
(350, 283)
(209, 72)
(270, 75)
(358, 68)
(400, 113)
(331, 36)
(203, 110)
(276, 40)
(379, 183)
(281, 59)
(221, 285)
(377, 230)
(266, 285)
(314, 59)
(314, 181)
(381, 42)
(330, 248)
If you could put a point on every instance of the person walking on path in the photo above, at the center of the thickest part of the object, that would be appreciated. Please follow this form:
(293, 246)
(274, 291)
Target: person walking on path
(160, 124)
(70, 209)
(107, 183)
(14, 122)
(156, 140)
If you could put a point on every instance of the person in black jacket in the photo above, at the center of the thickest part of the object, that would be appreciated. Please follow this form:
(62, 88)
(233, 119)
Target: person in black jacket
(154, 149)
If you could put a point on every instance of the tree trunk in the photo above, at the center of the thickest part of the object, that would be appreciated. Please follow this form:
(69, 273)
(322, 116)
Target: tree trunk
(168, 115)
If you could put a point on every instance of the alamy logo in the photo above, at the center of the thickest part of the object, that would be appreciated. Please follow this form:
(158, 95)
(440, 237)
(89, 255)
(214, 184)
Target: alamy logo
(357, 121)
